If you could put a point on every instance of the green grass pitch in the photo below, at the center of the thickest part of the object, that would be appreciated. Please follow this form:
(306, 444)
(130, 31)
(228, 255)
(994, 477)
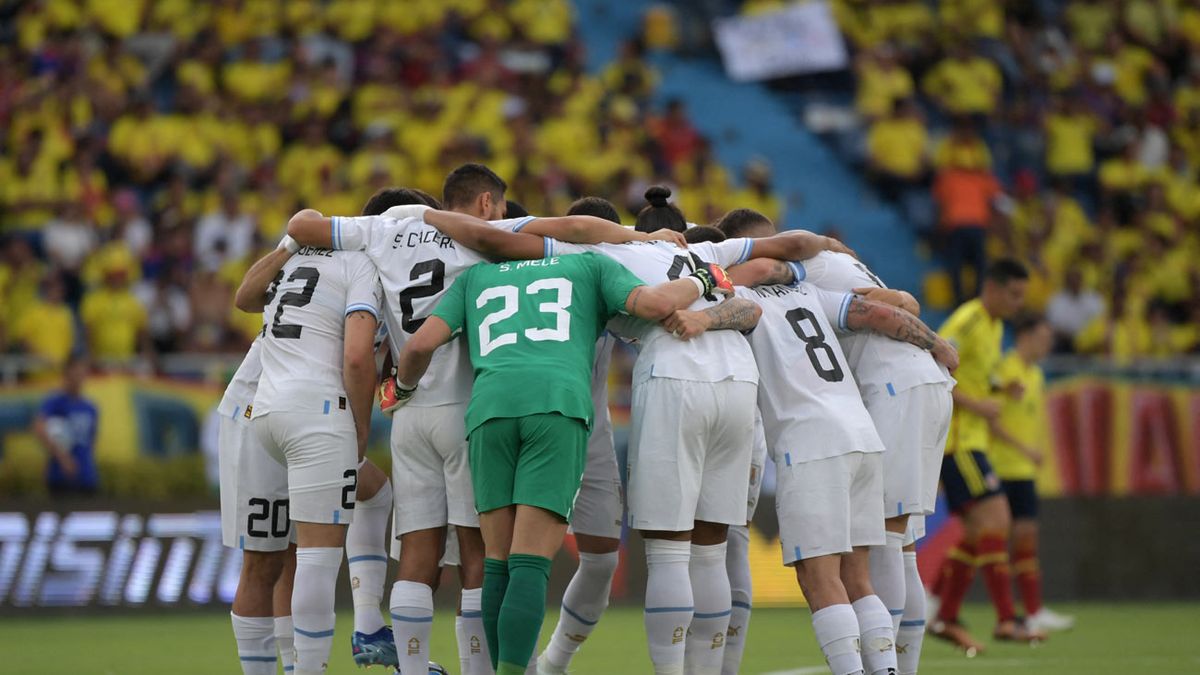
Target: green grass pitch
(1115, 638)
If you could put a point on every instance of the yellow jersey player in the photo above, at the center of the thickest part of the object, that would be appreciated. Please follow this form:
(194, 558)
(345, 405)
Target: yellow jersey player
(972, 488)
(1017, 452)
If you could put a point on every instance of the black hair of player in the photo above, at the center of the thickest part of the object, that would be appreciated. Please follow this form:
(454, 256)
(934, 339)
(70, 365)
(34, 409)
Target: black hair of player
(1004, 270)
(701, 233)
(659, 214)
(595, 206)
(738, 222)
(386, 198)
(469, 181)
(513, 209)
(1026, 322)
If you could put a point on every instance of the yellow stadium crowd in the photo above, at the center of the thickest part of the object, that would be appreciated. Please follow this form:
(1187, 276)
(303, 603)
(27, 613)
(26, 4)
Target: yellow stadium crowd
(151, 149)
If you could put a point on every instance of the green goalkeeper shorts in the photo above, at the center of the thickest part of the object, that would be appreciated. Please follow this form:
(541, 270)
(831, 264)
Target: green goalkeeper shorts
(536, 460)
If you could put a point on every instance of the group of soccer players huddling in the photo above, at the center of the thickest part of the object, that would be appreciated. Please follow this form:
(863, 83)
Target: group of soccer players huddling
(498, 329)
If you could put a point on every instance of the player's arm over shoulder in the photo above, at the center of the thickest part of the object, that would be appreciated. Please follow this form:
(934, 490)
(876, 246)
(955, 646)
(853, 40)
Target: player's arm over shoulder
(592, 230)
(859, 313)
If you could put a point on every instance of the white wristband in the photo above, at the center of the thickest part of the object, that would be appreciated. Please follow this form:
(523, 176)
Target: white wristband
(291, 245)
(699, 284)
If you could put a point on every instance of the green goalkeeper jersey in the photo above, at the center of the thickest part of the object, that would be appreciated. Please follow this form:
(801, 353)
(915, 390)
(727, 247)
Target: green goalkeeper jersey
(531, 327)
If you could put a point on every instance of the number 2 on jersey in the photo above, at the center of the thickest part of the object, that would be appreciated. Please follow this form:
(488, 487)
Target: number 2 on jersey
(310, 276)
(561, 332)
(436, 269)
(814, 344)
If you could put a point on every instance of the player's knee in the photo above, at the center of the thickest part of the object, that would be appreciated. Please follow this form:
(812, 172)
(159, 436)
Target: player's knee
(709, 534)
(587, 543)
(262, 567)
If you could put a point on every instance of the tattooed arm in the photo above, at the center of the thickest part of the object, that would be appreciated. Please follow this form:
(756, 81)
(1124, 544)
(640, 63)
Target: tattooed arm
(899, 324)
(733, 314)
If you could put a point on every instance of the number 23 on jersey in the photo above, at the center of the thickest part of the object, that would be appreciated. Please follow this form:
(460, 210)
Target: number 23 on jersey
(552, 297)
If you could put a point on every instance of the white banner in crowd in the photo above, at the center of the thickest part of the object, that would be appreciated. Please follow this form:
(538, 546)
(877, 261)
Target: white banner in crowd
(803, 38)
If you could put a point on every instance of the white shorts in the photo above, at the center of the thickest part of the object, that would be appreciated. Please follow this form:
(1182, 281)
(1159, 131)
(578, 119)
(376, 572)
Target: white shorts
(828, 506)
(913, 425)
(450, 558)
(431, 476)
(689, 453)
(254, 490)
(321, 453)
(600, 504)
(758, 463)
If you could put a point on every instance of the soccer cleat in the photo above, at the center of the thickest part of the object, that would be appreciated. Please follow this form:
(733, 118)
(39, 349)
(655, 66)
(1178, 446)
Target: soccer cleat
(1047, 620)
(956, 634)
(376, 649)
(1011, 631)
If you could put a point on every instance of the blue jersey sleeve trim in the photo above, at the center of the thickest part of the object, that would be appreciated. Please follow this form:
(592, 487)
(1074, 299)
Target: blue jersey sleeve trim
(521, 225)
(334, 227)
(844, 311)
(547, 247)
(798, 273)
(747, 248)
(363, 307)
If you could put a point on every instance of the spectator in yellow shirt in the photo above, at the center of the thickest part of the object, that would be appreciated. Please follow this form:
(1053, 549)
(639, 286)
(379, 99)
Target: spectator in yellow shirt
(1070, 133)
(964, 83)
(1021, 432)
(1121, 180)
(114, 319)
(46, 329)
(897, 150)
(881, 82)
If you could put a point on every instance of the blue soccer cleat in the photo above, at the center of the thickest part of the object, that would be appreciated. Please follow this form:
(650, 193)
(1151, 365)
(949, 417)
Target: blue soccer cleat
(376, 649)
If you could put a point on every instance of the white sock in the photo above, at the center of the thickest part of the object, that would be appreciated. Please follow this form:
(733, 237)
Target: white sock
(255, 637)
(412, 622)
(737, 565)
(312, 606)
(887, 575)
(285, 642)
(669, 606)
(878, 638)
(472, 641)
(584, 601)
(836, 629)
(705, 650)
(366, 551)
(912, 625)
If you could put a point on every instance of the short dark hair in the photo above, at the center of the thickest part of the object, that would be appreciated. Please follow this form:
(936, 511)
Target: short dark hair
(595, 206)
(1004, 270)
(701, 233)
(1026, 322)
(513, 209)
(388, 197)
(738, 222)
(469, 181)
(660, 214)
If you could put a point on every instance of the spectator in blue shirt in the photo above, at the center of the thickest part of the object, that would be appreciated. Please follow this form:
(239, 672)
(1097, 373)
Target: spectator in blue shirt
(66, 426)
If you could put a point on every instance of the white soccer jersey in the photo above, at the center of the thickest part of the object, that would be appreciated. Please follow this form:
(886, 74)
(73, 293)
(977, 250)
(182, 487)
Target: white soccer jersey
(240, 391)
(878, 362)
(810, 404)
(304, 326)
(712, 357)
(417, 263)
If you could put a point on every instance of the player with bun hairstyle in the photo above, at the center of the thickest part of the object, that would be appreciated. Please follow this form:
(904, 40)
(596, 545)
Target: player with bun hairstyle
(660, 214)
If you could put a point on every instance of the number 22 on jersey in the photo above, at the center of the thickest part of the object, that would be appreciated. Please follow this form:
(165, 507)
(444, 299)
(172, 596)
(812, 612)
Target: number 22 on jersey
(509, 298)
